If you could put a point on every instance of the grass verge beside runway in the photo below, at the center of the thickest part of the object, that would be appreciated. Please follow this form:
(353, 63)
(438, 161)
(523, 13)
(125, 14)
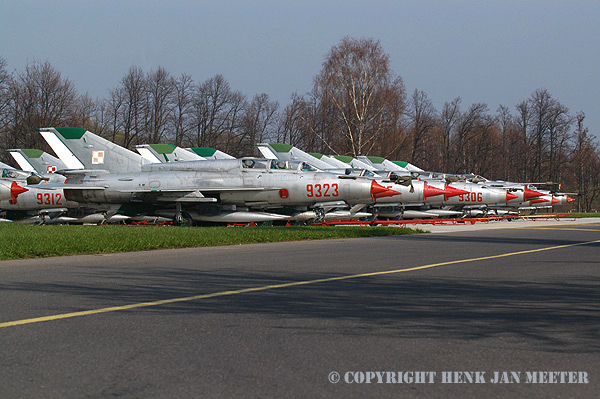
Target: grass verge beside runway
(27, 241)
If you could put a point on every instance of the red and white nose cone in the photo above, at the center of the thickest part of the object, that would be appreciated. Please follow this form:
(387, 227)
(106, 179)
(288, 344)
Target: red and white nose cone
(431, 191)
(528, 194)
(379, 191)
(510, 196)
(15, 190)
(452, 192)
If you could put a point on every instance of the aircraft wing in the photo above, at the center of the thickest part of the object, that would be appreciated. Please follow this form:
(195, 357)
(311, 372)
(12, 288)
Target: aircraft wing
(184, 194)
(61, 186)
(187, 195)
(187, 190)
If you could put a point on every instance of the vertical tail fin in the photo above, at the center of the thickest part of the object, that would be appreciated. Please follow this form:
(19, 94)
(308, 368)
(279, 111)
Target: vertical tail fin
(36, 161)
(162, 153)
(209, 153)
(287, 152)
(82, 149)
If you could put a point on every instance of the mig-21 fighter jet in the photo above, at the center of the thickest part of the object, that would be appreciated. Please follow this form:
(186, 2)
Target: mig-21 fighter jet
(227, 190)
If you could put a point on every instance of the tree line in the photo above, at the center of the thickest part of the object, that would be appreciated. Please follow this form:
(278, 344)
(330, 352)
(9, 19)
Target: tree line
(357, 106)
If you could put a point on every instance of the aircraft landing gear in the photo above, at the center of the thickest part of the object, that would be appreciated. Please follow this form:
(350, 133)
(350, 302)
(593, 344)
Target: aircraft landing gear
(320, 212)
(182, 218)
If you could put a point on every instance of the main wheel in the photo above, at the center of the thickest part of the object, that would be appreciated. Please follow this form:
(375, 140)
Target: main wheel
(185, 220)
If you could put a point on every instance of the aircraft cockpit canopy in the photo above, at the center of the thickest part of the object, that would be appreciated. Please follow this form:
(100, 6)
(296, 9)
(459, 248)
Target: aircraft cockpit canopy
(255, 163)
(16, 174)
(277, 164)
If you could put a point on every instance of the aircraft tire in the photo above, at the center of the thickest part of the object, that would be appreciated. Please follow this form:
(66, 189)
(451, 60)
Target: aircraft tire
(186, 220)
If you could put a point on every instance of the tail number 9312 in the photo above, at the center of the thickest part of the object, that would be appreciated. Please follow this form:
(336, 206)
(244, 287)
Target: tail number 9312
(322, 190)
(49, 199)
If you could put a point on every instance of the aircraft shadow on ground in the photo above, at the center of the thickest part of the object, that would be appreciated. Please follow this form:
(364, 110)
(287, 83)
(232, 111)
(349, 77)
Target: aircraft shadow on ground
(557, 316)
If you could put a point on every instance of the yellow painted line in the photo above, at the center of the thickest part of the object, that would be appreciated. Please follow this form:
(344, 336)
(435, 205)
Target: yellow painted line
(276, 286)
(560, 228)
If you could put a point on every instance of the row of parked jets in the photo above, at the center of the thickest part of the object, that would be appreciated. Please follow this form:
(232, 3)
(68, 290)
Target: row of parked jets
(96, 181)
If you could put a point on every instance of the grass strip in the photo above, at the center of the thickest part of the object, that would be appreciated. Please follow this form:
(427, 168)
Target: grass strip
(32, 241)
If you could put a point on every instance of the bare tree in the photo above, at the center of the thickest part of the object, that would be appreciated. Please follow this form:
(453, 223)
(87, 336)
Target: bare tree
(4, 94)
(449, 117)
(524, 147)
(183, 108)
(585, 165)
(465, 130)
(134, 105)
(559, 136)
(217, 112)
(290, 127)
(257, 123)
(114, 109)
(541, 104)
(160, 86)
(423, 119)
(38, 97)
(357, 82)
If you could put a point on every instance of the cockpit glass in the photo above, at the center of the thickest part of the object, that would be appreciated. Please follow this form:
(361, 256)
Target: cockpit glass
(15, 174)
(255, 163)
(277, 164)
(306, 167)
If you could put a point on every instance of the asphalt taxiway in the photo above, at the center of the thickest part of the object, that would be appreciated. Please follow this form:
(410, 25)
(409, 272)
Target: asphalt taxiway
(280, 320)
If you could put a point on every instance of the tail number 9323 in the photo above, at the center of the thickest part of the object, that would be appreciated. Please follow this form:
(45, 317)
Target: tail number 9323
(322, 190)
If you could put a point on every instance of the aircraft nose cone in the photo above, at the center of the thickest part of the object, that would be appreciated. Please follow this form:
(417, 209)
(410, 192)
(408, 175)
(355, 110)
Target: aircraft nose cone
(538, 201)
(510, 196)
(555, 201)
(379, 191)
(530, 194)
(452, 192)
(431, 191)
(15, 190)
(569, 199)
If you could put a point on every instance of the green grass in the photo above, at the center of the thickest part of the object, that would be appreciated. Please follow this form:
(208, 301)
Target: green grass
(585, 215)
(31, 241)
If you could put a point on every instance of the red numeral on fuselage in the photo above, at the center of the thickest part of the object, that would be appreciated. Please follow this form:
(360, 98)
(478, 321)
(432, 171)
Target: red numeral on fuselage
(49, 198)
(322, 190)
(471, 197)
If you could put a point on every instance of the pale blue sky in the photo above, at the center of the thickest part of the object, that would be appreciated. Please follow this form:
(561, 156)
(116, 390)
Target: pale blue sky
(495, 52)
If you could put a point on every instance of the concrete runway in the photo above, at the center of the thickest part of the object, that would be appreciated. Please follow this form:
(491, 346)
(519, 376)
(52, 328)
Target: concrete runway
(280, 320)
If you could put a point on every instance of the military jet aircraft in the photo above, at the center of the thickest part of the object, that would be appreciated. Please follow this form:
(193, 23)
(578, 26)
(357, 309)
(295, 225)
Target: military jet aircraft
(37, 161)
(226, 190)
(238, 190)
(22, 198)
(417, 188)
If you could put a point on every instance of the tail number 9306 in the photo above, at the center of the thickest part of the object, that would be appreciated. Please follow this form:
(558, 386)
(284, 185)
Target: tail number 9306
(471, 197)
(322, 190)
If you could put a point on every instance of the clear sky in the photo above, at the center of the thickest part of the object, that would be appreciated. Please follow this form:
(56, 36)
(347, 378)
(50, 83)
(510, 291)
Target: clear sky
(493, 51)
